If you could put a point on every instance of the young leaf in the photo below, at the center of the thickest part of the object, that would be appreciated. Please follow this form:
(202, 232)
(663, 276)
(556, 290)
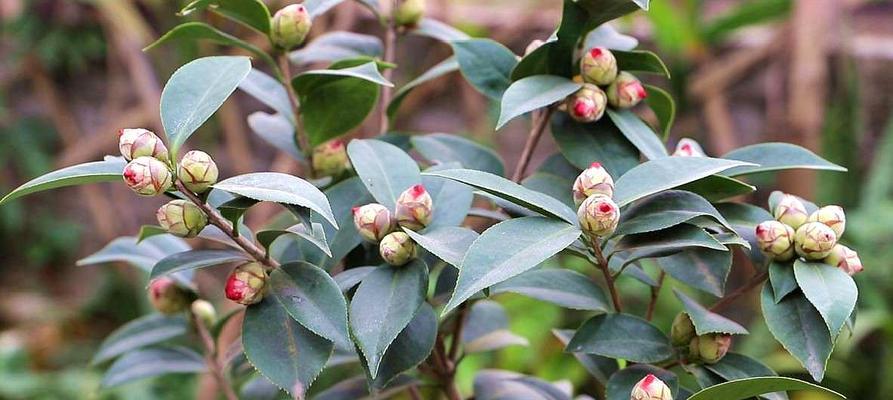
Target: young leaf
(448, 243)
(621, 336)
(338, 45)
(797, 325)
(251, 13)
(749, 387)
(437, 30)
(667, 209)
(621, 383)
(782, 279)
(146, 363)
(201, 31)
(640, 61)
(487, 329)
(440, 148)
(601, 368)
(666, 173)
(313, 299)
(831, 290)
(412, 346)
(638, 133)
(385, 169)
(279, 188)
(141, 332)
(706, 321)
(563, 287)
(194, 259)
(486, 65)
(601, 141)
(271, 92)
(606, 35)
(661, 102)
(108, 170)
(777, 156)
(444, 67)
(532, 93)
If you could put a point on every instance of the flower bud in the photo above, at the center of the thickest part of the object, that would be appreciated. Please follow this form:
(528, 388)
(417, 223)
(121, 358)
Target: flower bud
(833, 216)
(844, 258)
(414, 207)
(168, 297)
(181, 218)
(330, 158)
(790, 211)
(290, 26)
(651, 388)
(197, 171)
(593, 180)
(140, 142)
(397, 248)
(682, 331)
(814, 240)
(709, 348)
(626, 91)
(776, 240)
(688, 148)
(247, 283)
(373, 221)
(409, 12)
(598, 215)
(587, 104)
(598, 66)
(534, 44)
(147, 176)
(204, 312)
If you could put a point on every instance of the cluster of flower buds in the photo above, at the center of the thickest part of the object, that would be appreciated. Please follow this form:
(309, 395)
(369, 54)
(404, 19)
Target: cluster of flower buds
(289, 26)
(247, 283)
(375, 223)
(593, 190)
(709, 348)
(688, 148)
(603, 85)
(409, 13)
(168, 297)
(182, 218)
(587, 104)
(330, 158)
(811, 236)
(651, 388)
(149, 173)
(138, 142)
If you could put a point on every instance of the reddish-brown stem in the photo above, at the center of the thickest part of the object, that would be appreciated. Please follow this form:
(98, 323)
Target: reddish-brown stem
(540, 121)
(609, 279)
(445, 369)
(655, 292)
(457, 330)
(390, 44)
(214, 365)
(731, 297)
(300, 135)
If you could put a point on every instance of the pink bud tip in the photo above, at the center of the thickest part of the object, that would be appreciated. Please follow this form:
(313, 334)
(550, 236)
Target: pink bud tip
(595, 52)
(760, 229)
(417, 190)
(605, 207)
(336, 144)
(120, 132)
(355, 210)
(649, 379)
(642, 93)
(595, 165)
(686, 147)
(581, 109)
(130, 176)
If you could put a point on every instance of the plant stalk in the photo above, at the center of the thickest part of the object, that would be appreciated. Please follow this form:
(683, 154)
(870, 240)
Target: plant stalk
(754, 282)
(390, 44)
(609, 279)
(655, 292)
(300, 134)
(212, 361)
(540, 121)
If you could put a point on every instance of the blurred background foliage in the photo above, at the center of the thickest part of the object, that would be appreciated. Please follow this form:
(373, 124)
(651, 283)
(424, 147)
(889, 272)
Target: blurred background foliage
(812, 72)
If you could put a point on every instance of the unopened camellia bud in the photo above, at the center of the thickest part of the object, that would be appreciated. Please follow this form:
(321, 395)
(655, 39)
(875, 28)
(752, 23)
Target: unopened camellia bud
(844, 258)
(414, 208)
(147, 176)
(814, 240)
(593, 180)
(533, 45)
(626, 91)
(776, 240)
(651, 388)
(598, 66)
(833, 216)
(409, 12)
(140, 142)
(688, 148)
(791, 211)
(709, 348)
(204, 312)
(247, 283)
(182, 218)
(598, 215)
(682, 331)
(167, 297)
(397, 248)
(373, 221)
(330, 158)
(197, 171)
(290, 26)
(587, 104)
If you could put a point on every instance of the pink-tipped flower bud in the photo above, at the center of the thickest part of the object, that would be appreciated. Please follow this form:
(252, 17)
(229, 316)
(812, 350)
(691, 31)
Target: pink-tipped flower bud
(709, 348)
(688, 148)
(167, 297)
(532, 46)
(593, 180)
(651, 388)
(330, 158)
(147, 176)
(598, 66)
(414, 208)
(844, 258)
(397, 248)
(586, 104)
(409, 13)
(598, 215)
(814, 240)
(373, 221)
(204, 312)
(290, 26)
(790, 211)
(247, 283)
(182, 218)
(139, 142)
(833, 216)
(776, 240)
(682, 331)
(626, 91)
(197, 171)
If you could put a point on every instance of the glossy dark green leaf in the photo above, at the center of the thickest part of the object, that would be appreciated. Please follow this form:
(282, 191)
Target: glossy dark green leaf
(108, 170)
(666, 173)
(701, 268)
(749, 387)
(141, 332)
(782, 279)
(601, 368)
(251, 13)
(452, 199)
(357, 388)
(442, 68)
(438, 30)
(313, 299)
(533, 93)
(621, 336)
(638, 133)
(441, 148)
(352, 277)
(385, 169)
(271, 92)
(621, 383)
(797, 325)
(493, 384)
(661, 102)
(316, 236)
(486, 65)
(667, 209)
(279, 188)
(706, 321)
(487, 329)
(674, 238)
(563, 287)
(831, 290)
(739, 366)
(718, 187)
(600, 141)
(551, 185)
(777, 156)
(640, 61)
(195, 31)
(194, 259)
(146, 363)
(448, 243)
(338, 45)
(410, 348)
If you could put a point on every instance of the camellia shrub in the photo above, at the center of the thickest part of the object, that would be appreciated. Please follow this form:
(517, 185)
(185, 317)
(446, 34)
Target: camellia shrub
(377, 272)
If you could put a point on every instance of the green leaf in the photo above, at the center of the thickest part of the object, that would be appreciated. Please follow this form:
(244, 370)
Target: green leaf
(739, 366)
(566, 288)
(141, 332)
(443, 148)
(410, 348)
(661, 102)
(338, 45)
(718, 187)
(146, 363)
(277, 131)
(453, 199)
(143, 255)
(271, 92)
(508, 249)
(494, 384)
(194, 259)
(448, 243)
(797, 325)
(750, 387)
(666, 173)
(279, 188)
(285, 352)
(638, 133)
(195, 91)
(108, 170)
(316, 236)
(347, 279)
(674, 238)
(701, 268)
(706, 321)
(344, 196)
(510, 191)
(385, 169)
(551, 185)
(486, 65)
(444, 67)
(318, 7)
(606, 36)
(640, 61)
(830, 289)
(487, 329)
(599, 367)
(251, 13)
(621, 336)
(601, 141)
(782, 279)
(438, 30)
(384, 304)
(195, 31)
(743, 15)
(532, 93)
(621, 383)
(775, 157)
(313, 299)
(147, 231)
(667, 209)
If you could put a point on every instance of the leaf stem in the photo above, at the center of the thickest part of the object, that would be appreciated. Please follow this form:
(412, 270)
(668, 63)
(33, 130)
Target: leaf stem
(655, 292)
(540, 121)
(211, 359)
(731, 297)
(461, 313)
(390, 44)
(609, 279)
(300, 134)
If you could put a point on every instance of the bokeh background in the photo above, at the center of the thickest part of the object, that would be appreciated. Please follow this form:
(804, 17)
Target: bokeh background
(811, 72)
